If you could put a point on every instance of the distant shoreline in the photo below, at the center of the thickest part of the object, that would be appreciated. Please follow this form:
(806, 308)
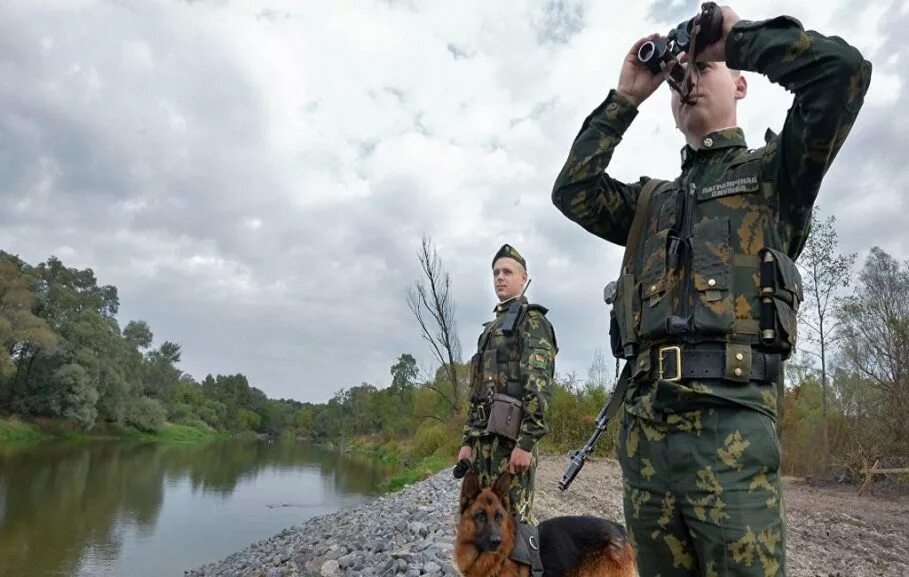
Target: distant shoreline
(15, 430)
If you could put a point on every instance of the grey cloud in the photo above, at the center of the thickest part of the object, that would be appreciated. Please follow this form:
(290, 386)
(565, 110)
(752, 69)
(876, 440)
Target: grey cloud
(326, 307)
(560, 21)
(667, 11)
(871, 167)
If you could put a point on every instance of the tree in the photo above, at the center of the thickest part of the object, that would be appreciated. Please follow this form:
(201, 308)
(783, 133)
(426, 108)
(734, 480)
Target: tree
(138, 334)
(404, 374)
(161, 375)
(875, 343)
(74, 396)
(433, 307)
(825, 273)
(598, 374)
(22, 333)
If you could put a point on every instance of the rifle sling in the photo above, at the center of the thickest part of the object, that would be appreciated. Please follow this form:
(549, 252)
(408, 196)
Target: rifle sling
(618, 395)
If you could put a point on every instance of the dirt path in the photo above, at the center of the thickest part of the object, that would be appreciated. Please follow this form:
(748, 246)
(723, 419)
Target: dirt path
(832, 532)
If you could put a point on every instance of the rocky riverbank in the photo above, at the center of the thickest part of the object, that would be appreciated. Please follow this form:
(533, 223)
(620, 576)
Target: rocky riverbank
(407, 533)
(832, 532)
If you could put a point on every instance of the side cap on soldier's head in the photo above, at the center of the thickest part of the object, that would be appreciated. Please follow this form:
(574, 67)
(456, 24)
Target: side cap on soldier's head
(509, 251)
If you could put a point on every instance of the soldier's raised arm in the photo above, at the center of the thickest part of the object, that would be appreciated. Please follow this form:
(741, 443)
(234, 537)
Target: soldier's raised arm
(829, 79)
(583, 191)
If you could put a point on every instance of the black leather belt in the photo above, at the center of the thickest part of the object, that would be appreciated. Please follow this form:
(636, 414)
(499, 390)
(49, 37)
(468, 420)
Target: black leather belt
(676, 363)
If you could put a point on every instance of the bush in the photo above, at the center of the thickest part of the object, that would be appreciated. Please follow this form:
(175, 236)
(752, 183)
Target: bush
(181, 413)
(247, 420)
(572, 419)
(146, 415)
(15, 430)
(428, 440)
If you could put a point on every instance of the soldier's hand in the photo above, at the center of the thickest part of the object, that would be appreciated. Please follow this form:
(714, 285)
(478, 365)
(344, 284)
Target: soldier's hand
(716, 52)
(520, 461)
(636, 81)
(466, 453)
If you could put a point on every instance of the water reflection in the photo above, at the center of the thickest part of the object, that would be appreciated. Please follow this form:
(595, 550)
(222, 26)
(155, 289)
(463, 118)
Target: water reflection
(68, 509)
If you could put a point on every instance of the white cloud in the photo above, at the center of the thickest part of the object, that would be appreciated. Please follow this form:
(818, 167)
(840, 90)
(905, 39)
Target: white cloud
(256, 179)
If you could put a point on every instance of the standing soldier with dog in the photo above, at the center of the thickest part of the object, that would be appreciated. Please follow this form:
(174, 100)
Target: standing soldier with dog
(510, 386)
(707, 301)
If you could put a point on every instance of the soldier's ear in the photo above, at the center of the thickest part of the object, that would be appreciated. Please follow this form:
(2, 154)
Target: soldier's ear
(501, 488)
(741, 87)
(470, 488)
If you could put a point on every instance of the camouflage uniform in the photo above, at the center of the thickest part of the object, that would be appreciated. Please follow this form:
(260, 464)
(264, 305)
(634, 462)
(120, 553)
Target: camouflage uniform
(700, 457)
(526, 360)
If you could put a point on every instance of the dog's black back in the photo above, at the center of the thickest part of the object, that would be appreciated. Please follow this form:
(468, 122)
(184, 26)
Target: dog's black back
(566, 541)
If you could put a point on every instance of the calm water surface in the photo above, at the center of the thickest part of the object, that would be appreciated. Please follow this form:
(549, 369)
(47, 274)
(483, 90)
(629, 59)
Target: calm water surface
(112, 508)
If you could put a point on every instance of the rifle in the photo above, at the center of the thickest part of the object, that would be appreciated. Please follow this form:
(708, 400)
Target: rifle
(576, 459)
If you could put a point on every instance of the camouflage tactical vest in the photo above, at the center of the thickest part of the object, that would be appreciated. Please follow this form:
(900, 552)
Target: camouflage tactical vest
(496, 367)
(709, 264)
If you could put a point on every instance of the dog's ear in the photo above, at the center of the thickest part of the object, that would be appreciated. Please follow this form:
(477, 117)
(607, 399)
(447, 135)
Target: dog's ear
(470, 488)
(502, 486)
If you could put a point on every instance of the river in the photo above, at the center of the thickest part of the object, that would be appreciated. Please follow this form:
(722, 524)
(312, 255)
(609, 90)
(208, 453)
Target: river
(112, 508)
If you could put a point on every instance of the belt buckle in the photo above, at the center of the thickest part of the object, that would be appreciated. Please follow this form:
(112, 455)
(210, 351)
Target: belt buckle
(481, 410)
(678, 362)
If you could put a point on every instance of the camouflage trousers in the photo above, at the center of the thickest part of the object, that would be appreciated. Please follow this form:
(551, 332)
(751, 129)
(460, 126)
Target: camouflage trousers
(702, 494)
(491, 454)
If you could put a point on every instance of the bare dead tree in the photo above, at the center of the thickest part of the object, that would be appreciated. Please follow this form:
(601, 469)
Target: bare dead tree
(433, 307)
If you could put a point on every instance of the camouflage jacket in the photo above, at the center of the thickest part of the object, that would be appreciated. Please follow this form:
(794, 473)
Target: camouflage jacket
(704, 236)
(521, 365)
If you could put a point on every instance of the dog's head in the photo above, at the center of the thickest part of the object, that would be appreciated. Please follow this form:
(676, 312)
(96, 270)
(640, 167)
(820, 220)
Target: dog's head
(485, 513)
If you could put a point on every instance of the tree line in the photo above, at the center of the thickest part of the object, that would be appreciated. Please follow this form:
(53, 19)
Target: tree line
(63, 355)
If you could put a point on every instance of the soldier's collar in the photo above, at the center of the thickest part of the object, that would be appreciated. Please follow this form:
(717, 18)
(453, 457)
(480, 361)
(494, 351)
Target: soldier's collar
(502, 307)
(720, 139)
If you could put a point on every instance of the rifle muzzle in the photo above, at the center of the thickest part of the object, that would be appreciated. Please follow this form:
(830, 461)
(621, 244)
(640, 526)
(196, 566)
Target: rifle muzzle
(574, 467)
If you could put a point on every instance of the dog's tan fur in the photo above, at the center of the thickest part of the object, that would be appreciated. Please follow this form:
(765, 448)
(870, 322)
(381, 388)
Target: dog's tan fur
(614, 559)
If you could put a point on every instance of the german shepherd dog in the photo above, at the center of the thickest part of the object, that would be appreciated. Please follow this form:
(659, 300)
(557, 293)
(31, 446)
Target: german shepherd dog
(569, 546)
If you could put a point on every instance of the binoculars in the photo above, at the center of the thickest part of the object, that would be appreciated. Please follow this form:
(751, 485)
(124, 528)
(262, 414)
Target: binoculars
(661, 55)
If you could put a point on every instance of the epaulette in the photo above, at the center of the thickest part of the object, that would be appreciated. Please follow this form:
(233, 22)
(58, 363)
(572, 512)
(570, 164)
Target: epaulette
(539, 308)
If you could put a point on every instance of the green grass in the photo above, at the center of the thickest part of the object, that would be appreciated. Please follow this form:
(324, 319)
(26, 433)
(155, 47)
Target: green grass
(425, 468)
(15, 430)
(171, 433)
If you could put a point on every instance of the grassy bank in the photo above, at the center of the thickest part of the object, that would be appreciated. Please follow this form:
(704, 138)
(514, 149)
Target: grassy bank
(179, 434)
(413, 473)
(432, 448)
(14, 430)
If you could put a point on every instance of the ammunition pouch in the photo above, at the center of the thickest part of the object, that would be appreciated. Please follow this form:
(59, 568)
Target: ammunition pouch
(505, 414)
(781, 296)
(642, 314)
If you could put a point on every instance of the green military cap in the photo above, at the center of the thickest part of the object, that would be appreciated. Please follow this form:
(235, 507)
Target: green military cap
(510, 252)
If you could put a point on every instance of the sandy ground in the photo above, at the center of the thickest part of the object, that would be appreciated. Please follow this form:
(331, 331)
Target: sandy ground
(832, 532)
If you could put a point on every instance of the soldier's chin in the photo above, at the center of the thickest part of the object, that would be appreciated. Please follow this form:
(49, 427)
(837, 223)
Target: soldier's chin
(693, 122)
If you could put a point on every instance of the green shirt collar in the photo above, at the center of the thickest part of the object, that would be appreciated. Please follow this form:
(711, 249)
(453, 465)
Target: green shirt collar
(721, 139)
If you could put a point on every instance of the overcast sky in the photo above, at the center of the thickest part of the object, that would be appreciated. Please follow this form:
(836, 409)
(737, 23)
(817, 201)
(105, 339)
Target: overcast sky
(255, 177)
